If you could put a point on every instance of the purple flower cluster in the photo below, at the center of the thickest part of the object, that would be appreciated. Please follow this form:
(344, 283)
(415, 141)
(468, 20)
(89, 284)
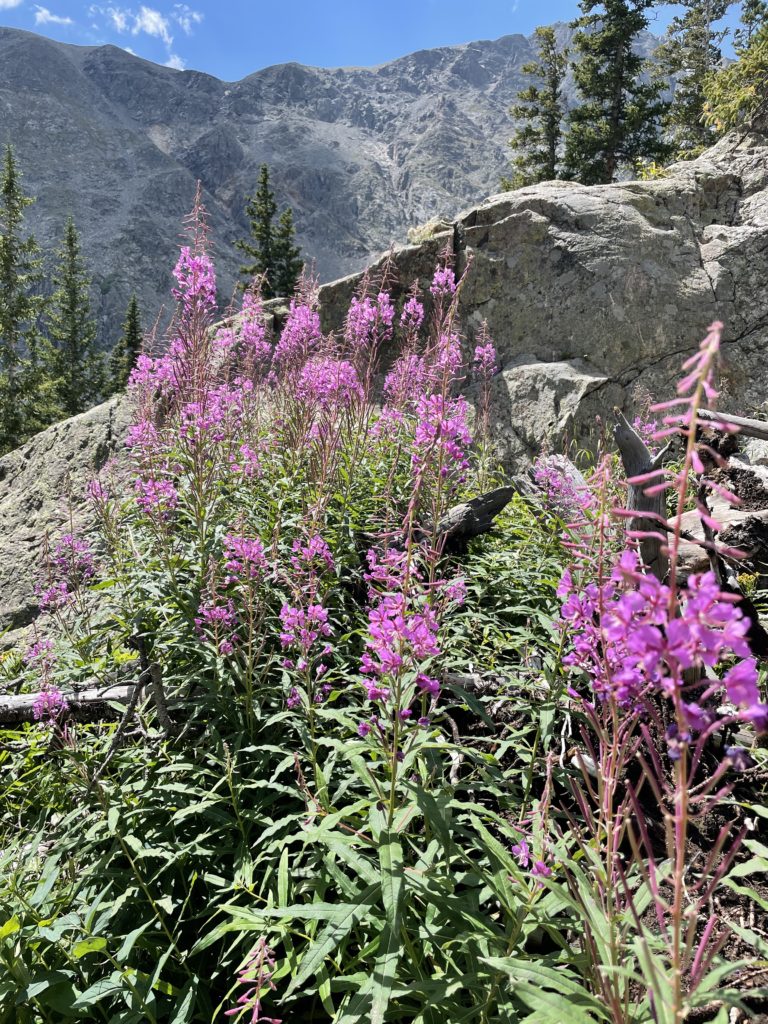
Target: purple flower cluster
(406, 381)
(485, 360)
(246, 462)
(157, 497)
(442, 436)
(447, 357)
(400, 636)
(144, 437)
(388, 570)
(562, 492)
(244, 558)
(299, 338)
(72, 561)
(626, 642)
(246, 344)
(97, 492)
(196, 280)
(220, 408)
(328, 383)
(218, 619)
(256, 976)
(49, 705)
(153, 374)
(443, 282)
(311, 555)
(302, 627)
(412, 316)
(40, 655)
(369, 322)
(54, 597)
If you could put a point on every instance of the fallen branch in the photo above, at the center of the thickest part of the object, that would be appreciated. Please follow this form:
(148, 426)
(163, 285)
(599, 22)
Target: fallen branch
(746, 427)
(472, 518)
(638, 461)
(89, 705)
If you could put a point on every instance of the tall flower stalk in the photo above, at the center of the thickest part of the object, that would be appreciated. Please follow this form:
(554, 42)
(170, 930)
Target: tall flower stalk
(649, 650)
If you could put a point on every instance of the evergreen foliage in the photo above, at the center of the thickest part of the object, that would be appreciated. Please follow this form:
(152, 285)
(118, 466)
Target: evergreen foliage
(617, 124)
(21, 305)
(754, 15)
(540, 109)
(72, 330)
(273, 255)
(126, 351)
(288, 263)
(737, 94)
(691, 52)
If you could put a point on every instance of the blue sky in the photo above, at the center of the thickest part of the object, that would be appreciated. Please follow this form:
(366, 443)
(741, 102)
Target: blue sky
(231, 38)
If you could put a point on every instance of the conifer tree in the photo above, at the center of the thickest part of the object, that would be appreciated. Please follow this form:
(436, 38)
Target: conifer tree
(540, 107)
(21, 305)
(737, 94)
(691, 52)
(754, 16)
(128, 348)
(273, 253)
(72, 330)
(617, 124)
(261, 209)
(288, 263)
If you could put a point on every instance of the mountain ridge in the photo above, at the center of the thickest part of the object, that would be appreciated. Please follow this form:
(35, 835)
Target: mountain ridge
(361, 154)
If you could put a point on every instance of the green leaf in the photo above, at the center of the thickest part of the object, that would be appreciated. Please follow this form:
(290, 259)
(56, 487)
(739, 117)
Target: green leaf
(385, 969)
(551, 1007)
(113, 816)
(330, 937)
(546, 977)
(10, 927)
(94, 944)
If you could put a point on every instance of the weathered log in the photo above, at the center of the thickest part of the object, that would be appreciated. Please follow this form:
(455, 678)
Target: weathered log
(95, 703)
(638, 461)
(472, 518)
(746, 427)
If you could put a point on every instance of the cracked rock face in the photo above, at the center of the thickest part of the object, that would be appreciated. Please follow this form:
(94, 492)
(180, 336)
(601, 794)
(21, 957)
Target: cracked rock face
(42, 495)
(588, 292)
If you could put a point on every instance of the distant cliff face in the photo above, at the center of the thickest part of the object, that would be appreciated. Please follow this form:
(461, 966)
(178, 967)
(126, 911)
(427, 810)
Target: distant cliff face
(361, 154)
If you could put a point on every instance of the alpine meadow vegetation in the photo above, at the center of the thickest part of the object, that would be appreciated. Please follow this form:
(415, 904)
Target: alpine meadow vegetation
(367, 773)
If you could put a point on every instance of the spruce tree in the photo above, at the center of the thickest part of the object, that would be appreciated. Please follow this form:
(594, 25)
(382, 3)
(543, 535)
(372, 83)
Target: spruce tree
(540, 107)
(125, 353)
(288, 263)
(617, 124)
(737, 94)
(691, 52)
(274, 255)
(21, 305)
(754, 16)
(261, 209)
(72, 330)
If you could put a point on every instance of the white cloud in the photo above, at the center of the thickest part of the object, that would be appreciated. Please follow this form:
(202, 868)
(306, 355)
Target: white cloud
(175, 62)
(6, 5)
(186, 18)
(44, 17)
(118, 18)
(153, 23)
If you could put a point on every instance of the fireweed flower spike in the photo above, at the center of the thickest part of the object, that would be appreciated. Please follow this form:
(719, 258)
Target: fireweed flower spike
(256, 976)
(638, 641)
